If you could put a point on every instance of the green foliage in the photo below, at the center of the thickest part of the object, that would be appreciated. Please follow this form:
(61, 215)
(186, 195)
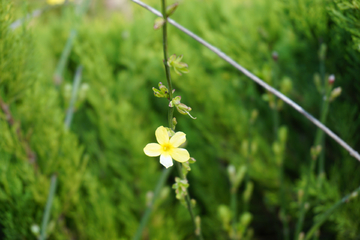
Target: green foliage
(103, 174)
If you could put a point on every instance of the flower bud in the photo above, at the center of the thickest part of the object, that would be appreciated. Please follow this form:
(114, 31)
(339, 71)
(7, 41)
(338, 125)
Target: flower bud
(317, 81)
(336, 92)
(331, 79)
(254, 115)
(174, 122)
(283, 134)
(171, 9)
(198, 225)
(35, 229)
(179, 67)
(322, 52)
(232, 172)
(224, 214)
(354, 195)
(239, 176)
(193, 202)
(248, 191)
(246, 219)
(300, 195)
(286, 85)
(158, 23)
(149, 198)
(164, 193)
(192, 160)
(158, 93)
(275, 56)
(301, 236)
(315, 151)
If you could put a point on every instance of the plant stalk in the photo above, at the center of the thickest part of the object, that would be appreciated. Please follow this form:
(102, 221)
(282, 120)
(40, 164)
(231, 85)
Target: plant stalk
(233, 205)
(47, 210)
(146, 216)
(188, 201)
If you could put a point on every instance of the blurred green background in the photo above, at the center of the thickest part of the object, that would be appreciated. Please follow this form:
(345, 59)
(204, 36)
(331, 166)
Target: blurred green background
(103, 174)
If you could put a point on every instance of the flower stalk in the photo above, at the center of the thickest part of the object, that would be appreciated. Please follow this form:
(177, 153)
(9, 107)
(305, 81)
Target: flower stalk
(171, 110)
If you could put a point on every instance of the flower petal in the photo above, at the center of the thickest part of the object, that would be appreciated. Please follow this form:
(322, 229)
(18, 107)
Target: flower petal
(161, 135)
(152, 149)
(180, 154)
(166, 160)
(178, 139)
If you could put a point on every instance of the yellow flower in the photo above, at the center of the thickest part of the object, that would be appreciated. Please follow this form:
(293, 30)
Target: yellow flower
(167, 149)
(55, 2)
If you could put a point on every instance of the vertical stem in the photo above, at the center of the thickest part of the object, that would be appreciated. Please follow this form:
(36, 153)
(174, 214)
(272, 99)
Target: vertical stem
(281, 167)
(233, 204)
(247, 176)
(76, 84)
(48, 207)
(318, 139)
(188, 201)
(171, 110)
(146, 216)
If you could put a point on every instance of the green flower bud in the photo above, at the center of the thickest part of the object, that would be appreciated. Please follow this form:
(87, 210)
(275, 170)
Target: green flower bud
(182, 108)
(300, 195)
(192, 160)
(171, 9)
(162, 92)
(248, 191)
(322, 52)
(232, 173)
(336, 92)
(198, 225)
(174, 122)
(245, 219)
(282, 134)
(301, 236)
(158, 23)
(35, 229)
(254, 115)
(239, 177)
(180, 187)
(149, 198)
(186, 168)
(317, 81)
(315, 151)
(286, 85)
(277, 149)
(179, 67)
(225, 216)
(164, 193)
(193, 202)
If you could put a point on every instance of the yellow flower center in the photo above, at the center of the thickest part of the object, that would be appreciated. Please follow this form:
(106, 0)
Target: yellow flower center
(166, 147)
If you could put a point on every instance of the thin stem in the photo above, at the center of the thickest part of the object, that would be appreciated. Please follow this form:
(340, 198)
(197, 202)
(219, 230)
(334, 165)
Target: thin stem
(325, 215)
(76, 84)
(64, 57)
(318, 139)
(171, 109)
(188, 201)
(233, 205)
(247, 175)
(324, 113)
(47, 210)
(146, 216)
(275, 111)
(287, 100)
